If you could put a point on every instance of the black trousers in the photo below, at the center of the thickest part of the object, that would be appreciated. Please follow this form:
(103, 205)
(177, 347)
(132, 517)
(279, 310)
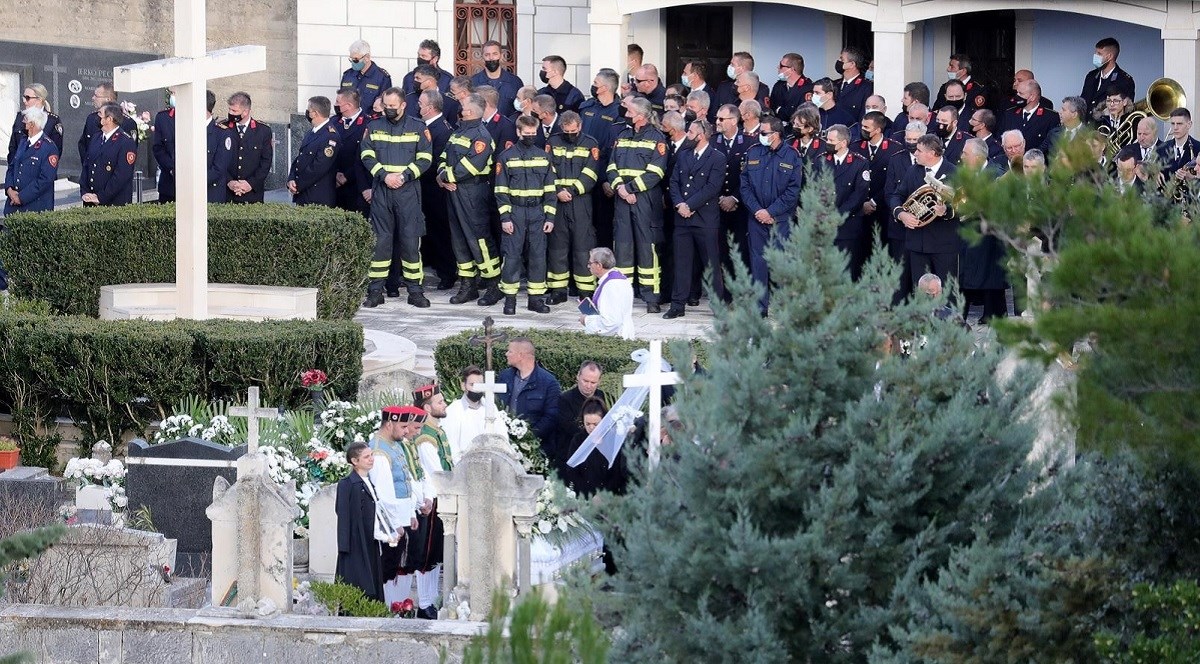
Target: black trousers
(568, 246)
(399, 225)
(471, 232)
(633, 242)
(899, 254)
(944, 265)
(858, 250)
(696, 247)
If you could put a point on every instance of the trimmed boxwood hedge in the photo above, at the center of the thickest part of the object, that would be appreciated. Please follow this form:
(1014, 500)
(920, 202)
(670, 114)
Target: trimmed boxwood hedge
(118, 376)
(65, 256)
(560, 352)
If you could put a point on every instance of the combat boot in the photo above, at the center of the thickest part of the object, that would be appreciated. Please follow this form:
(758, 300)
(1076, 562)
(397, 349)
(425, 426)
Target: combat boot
(418, 300)
(374, 299)
(538, 303)
(557, 296)
(510, 305)
(493, 294)
(468, 290)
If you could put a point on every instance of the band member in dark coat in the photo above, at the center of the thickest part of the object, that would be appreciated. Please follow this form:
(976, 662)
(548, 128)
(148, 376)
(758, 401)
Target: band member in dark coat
(311, 178)
(696, 184)
(253, 152)
(851, 175)
(358, 561)
(107, 176)
(898, 167)
(934, 247)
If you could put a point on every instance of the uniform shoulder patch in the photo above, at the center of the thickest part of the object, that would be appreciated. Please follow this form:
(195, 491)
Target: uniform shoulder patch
(979, 101)
(428, 136)
(53, 159)
(131, 157)
(595, 153)
(662, 149)
(480, 146)
(867, 174)
(328, 151)
(228, 143)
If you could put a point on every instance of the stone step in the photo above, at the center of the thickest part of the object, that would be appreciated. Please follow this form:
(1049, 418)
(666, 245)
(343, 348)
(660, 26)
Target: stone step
(234, 301)
(389, 363)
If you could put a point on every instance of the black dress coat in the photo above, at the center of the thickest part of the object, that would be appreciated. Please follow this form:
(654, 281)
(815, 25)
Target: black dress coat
(358, 560)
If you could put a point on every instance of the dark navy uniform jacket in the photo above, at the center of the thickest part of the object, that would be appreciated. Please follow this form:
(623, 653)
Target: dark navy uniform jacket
(162, 146)
(603, 123)
(1035, 129)
(852, 184)
(313, 168)
(785, 100)
(898, 167)
(32, 173)
(880, 162)
(836, 115)
(1095, 89)
(698, 182)
(451, 109)
(108, 168)
(811, 153)
(566, 98)
(852, 96)
(735, 155)
(1171, 163)
(370, 83)
(52, 131)
(410, 85)
(220, 156)
(91, 127)
(502, 130)
(727, 94)
(507, 85)
(347, 160)
(253, 155)
(771, 181)
(977, 97)
(939, 237)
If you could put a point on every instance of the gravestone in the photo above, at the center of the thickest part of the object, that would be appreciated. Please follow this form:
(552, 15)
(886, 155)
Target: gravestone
(322, 534)
(175, 480)
(97, 565)
(30, 497)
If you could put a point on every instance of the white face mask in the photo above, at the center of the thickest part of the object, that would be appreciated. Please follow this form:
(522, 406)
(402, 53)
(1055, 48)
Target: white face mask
(687, 81)
(765, 141)
(870, 74)
(818, 100)
(782, 76)
(951, 75)
(731, 72)
(1097, 60)
(517, 105)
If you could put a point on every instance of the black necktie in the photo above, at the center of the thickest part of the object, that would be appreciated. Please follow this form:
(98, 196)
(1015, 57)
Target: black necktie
(242, 131)
(874, 149)
(1028, 114)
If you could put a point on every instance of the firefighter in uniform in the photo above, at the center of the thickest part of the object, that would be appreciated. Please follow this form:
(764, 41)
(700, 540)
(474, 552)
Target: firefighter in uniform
(639, 160)
(771, 181)
(576, 158)
(364, 76)
(29, 181)
(525, 194)
(311, 178)
(464, 169)
(253, 153)
(350, 178)
(601, 116)
(108, 168)
(396, 151)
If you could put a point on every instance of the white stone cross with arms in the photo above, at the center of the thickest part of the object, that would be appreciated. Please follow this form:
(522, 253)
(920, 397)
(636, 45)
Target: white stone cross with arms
(655, 379)
(188, 74)
(253, 413)
(489, 388)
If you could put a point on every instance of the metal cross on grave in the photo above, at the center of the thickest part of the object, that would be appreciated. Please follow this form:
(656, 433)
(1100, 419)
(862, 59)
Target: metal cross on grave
(488, 339)
(253, 413)
(655, 379)
(188, 74)
(489, 388)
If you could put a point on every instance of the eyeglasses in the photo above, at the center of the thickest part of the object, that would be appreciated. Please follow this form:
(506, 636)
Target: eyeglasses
(643, 80)
(767, 133)
(719, 118)
(30, 97)
(356, 60)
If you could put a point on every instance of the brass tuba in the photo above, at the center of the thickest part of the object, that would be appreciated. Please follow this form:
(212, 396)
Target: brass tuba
(1163, 96)
(921, 202)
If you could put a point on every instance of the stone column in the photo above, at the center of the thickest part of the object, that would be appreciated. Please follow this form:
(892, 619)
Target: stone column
(608, 43)
(525, 568)
(450, 549)
(893, 47)
(1180, 58)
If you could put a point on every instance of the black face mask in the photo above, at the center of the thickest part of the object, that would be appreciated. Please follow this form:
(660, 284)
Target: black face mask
(542, 75)
(392, 114)
(474, 397)
(422, 61)
(958, 104)
(491, 65)
(944, 130)
(688, 116)
(866, 135)
(839, 67)
(830, 148)
(1020, 100)
(912, 147)
(234, 119)
(570, 136)
(595, 91)
(527, 141)
(687, 144)
(308, 116)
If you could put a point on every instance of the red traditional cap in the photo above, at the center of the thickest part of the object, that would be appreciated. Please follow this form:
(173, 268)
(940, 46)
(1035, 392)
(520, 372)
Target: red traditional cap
(411, 414)
(393, 413)
(423, 394)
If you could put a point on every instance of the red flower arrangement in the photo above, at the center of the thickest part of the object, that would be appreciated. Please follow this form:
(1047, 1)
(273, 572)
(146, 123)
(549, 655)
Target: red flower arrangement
(405, 609)
(314, 379)
(320, 455)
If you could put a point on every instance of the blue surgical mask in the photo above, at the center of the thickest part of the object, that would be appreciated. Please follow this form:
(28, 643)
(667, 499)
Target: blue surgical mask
(731, 72)
(951, 75)
(870, 74)
(171, 101)
(517, 105)
(1097, 60)
(686, 80)
(818, 100)
(782, 76)
(358, 66)
(765, 141)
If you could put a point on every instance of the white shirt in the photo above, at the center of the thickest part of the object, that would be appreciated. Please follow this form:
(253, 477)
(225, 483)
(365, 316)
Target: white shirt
(398, 511)
(615, 307)
(462, 424)
(109, 134)
(432, 120)
(318, 127)
(35, 138)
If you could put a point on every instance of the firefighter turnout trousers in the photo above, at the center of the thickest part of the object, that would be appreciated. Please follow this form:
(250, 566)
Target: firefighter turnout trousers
(398, 220)
(639, 161)
(576, 167)
(525, 194)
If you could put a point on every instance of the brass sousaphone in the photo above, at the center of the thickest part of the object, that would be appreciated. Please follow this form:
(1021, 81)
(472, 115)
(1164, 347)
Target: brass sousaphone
(921, 202)
(1163, 96)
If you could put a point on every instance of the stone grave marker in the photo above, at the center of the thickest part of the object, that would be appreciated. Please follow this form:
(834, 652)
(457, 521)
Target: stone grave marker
(175, 480)
(33, 491)
(322, 534)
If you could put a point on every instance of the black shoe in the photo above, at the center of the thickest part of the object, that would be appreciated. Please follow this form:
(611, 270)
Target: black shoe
(467, 291)
(446, 282)
(538, 303)
(428, 613)
(653, 308)
(492, 296)
(510, 305)
(393, 292)
(693, 301)
(373, 300)
(556, 297)
(673, 313)
(418, 300)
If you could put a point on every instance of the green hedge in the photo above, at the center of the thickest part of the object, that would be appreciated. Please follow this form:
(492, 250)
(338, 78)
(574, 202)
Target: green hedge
(560, 352)
(118, 376)
(65, 256)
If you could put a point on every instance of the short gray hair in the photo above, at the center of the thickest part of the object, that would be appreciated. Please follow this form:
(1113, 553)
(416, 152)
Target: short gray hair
(433, 98)
(604, 256)
(37, 116)
(673, 120)
(916, 127)
(700, 97)
(1034, 155)
(752, 107)
(841, 130)
(360, 47)
(976, 146)
(475, 101)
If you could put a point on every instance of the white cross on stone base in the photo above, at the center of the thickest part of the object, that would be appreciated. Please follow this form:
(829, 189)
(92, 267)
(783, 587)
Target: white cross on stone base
(489, 388)
(253, 413)
(188, 73)
(655, 379)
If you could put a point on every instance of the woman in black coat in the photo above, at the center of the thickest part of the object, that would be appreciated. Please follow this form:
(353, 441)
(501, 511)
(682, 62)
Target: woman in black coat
(358, 560)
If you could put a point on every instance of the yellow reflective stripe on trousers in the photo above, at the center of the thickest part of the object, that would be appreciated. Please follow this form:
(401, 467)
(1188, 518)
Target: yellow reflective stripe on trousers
(379, 269)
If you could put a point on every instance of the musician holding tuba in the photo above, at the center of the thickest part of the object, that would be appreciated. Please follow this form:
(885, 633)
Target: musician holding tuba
(920, 203)
(1178, 153)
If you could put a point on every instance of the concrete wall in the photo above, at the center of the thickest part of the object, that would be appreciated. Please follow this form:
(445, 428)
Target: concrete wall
(148, 25)
(779, 29)
(177, 636)
(1063, 44)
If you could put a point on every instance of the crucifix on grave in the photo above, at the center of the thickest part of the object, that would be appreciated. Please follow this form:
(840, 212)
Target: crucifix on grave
(253, 413)
(487, 340)
(188, 74)
(489, 388)
(655, 379)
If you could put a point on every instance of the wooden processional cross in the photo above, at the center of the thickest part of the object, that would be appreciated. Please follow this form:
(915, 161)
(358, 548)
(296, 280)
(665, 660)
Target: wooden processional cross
(487, 340)
(188, 74)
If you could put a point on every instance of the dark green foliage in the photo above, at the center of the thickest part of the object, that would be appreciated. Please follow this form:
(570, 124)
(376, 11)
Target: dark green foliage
(806, 502)
(563, 633)
(559, 352)
(343, 599)
(1124, 277)
(117, 376)
(1169, 627)
(65, 256)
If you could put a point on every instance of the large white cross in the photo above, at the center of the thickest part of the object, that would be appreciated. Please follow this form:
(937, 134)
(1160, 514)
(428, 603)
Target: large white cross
(489, 388)
(188, 74)
(655, 379)
(253, 413)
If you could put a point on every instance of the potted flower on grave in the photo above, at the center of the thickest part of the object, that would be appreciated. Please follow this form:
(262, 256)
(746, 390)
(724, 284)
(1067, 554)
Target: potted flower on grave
(10, 453)
(314, 381)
